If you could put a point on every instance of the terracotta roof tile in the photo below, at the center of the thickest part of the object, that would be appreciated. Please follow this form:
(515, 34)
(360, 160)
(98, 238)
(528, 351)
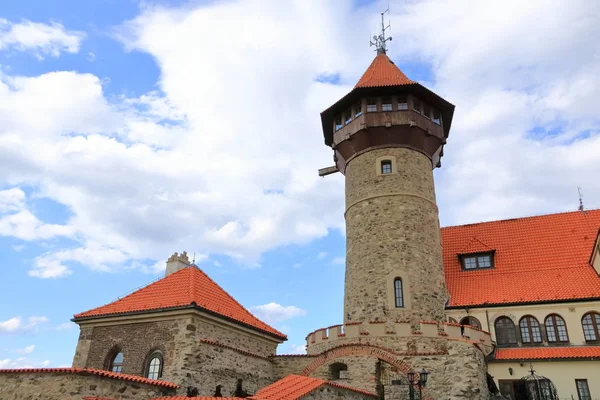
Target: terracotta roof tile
(92, 371)
(537, 259)
(181, 289)
(196, 398)
(537, 353)
(383, 72)
(293, 387)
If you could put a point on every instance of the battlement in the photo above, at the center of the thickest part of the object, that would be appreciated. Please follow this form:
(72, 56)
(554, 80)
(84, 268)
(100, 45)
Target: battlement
(431, 329)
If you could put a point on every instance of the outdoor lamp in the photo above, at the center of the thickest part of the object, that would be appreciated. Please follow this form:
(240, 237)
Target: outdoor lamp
(411, 377)
(423, 377)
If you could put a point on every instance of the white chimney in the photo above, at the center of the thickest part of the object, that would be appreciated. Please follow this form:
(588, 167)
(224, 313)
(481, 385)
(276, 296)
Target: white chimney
(177, 262)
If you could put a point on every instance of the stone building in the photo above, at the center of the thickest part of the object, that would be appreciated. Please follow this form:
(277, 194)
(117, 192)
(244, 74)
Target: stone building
(417, 298)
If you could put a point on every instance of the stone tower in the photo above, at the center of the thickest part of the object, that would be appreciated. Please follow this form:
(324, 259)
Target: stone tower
(388, 135)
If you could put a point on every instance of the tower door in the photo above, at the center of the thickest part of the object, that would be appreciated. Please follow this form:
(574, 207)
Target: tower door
(513, 389)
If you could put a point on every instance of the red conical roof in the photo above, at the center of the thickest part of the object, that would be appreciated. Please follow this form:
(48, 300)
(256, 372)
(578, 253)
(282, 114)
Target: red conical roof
(383, 72)
(180, 289)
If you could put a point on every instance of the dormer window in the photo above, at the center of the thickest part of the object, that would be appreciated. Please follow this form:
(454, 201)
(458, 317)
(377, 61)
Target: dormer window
(338, 123)
(477, 261)
(402, 103)
(371, 105)
(386, 104)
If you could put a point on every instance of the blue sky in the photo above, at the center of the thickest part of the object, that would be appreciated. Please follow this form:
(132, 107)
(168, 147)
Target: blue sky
(130, 130)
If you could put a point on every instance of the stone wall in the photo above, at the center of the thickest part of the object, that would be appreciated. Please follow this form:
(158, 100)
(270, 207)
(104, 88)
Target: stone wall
(327, 392)
(290, 365)
(392, 230)
(60, 386)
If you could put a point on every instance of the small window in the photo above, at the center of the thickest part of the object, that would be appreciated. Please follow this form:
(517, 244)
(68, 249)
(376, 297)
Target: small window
(386, 104)
(402, 103)
(506, 333)
(347, 117)
(583, 390)
(417, 105)
(338, 370)
(556, 329)
(338, 123)
(386, 167)
(437, 117)
(154, 366)
(530, 330)
(357, 110)
(426, 111)
(472, 321)
(116, 364)
(591, 326)
(371, 105)
(398, 293)
(477, 261)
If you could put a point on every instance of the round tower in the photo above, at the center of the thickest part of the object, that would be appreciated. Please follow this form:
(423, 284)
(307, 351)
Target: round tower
(388, 135)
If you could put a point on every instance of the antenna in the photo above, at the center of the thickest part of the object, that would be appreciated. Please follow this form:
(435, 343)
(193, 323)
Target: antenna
(194, 259)
(379, 41)
(580, 199)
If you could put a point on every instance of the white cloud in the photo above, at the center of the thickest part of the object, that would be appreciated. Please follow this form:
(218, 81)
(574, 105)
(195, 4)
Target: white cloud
(339, 260)
(38, 38)
(22, 362)
(18, 247)
(273, 313)
(26, 350)
(17, 324)
(295, 349)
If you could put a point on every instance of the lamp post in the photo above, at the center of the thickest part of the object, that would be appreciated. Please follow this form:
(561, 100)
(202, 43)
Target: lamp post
(420, 383)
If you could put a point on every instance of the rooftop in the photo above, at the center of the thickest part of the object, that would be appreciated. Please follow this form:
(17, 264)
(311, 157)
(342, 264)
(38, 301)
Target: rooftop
(540, 353)
(294, 387)
(383, 72)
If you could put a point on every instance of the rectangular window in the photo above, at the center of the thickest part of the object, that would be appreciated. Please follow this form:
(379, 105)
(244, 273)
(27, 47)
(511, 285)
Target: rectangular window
(437, 117)
(348, 117)
(371, 105)
(583, 390)
(357, 110)
(386, 167)
(402, 103)
(338, 123)
(398, 294)
(477, 261)
(426, 111)
(417, 105)
(386, 104)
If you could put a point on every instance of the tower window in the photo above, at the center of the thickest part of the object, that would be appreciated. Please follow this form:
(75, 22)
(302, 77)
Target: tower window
(437, 117)
(386, 104)
(477, 261)
(348, 117)
(338, 123)
(338, 370)
(371, 105)
(154, 366)
(386, 167)
(357, 110)
(426, 111)
(398, 293)
(402, 103)
(417, 105)
(116, 364)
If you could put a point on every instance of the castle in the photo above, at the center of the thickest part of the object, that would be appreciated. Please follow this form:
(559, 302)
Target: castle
(419, 303)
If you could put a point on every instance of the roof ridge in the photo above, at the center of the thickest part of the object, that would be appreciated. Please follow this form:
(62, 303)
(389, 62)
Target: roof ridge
(594, 210)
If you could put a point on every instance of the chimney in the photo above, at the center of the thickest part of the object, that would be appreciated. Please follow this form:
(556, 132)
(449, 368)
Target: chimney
(177, 262)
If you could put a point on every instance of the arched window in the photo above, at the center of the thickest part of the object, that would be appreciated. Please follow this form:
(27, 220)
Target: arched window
(154, 365)
(116, 363)
(336, 369)
(556, 329)
(530, 330)
(471, 321)
(505, 331)
(398, 293)
(452, 320)
(591, 326)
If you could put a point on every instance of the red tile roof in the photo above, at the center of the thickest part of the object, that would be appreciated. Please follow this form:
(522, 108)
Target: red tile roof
(537, 259)
(92, 371)
(188, 287)
(538, 353)
(383, 72)
(196, 398)
(293, 387)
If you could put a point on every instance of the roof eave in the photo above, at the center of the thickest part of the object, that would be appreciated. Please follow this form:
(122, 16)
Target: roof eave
(524, 303)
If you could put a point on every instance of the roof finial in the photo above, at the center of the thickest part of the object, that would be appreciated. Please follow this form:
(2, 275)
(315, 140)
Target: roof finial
(580, 198)
(379, 41)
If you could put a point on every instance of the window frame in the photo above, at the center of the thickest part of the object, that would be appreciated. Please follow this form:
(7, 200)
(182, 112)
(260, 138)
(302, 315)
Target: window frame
(347, 117)
(357, 109)
(587, 396)
(527, 329)
(112, 365)
(399, 289)
(508, 342)
(339, 118)
(426, 107)
(387, 106)
(436, 117)
(463, 257)
(154, 355)
(595, 324)
(470, 319)
(417, 102)
(386, 163)
(335, 369)
(375, 103)
(554, 329)
(402, 99)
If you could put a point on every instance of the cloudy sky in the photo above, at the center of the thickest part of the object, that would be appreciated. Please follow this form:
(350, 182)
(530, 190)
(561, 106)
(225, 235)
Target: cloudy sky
(133, 129)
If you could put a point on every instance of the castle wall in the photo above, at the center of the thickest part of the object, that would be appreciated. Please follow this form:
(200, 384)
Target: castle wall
(290, 365)
(61, 385)
(392, 231)
(328, 393)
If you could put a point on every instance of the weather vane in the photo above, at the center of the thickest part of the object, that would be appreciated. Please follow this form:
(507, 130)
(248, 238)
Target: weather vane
(379, 41)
